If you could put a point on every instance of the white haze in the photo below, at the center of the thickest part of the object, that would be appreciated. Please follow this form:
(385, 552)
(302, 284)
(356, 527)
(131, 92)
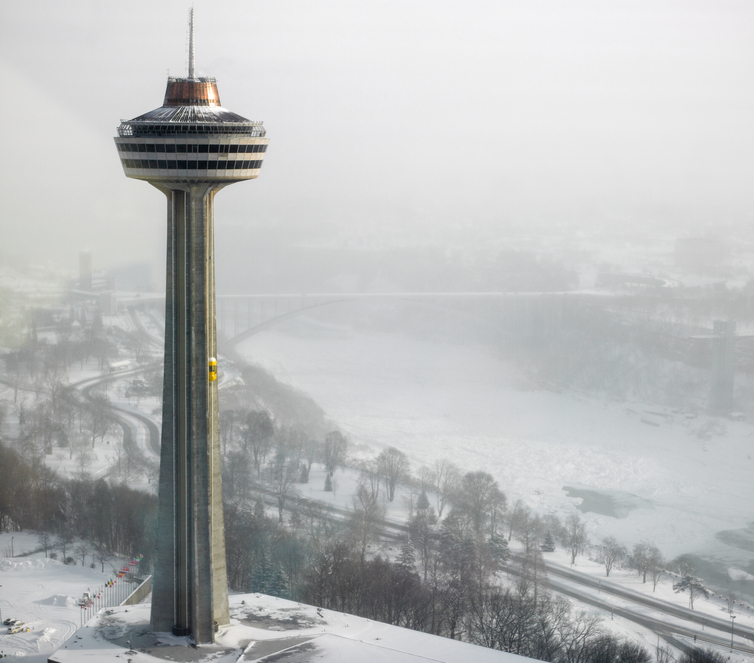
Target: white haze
(568, 115)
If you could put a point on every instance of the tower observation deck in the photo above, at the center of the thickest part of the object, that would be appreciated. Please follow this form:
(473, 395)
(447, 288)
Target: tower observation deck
(190, 148)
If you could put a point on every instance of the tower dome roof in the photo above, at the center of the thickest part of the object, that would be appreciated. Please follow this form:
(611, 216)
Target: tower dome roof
(193, 101)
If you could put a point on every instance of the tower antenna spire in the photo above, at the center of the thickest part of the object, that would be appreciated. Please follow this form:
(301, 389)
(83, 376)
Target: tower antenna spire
(191, 43)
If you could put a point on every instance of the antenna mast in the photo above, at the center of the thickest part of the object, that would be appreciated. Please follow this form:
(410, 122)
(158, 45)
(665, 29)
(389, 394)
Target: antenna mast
(191, 44)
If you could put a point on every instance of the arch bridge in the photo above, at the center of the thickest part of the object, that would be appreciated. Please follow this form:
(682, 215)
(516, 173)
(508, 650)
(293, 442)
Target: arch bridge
(241, 316)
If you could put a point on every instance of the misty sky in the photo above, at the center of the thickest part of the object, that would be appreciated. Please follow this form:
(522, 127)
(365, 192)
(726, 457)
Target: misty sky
(412, 112)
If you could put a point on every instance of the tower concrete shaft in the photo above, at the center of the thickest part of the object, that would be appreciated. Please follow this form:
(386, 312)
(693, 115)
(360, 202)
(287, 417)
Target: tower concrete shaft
(190, 148)
(190, 587)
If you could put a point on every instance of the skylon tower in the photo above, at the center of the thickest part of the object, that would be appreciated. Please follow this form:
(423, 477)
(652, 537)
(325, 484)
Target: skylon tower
(190, 148)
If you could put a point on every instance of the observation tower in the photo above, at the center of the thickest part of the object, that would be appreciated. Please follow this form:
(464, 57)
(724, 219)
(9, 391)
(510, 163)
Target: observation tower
(190, 148)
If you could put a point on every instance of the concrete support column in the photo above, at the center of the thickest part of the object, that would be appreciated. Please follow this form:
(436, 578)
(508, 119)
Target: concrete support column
(190, 575)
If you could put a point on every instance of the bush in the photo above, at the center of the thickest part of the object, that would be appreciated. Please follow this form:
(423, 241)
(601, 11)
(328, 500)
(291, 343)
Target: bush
(703, 656)
(70, 561)
(53, 555)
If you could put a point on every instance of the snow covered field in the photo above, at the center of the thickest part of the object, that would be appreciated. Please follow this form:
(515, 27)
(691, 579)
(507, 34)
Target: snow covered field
(43, 593)
(678, 481)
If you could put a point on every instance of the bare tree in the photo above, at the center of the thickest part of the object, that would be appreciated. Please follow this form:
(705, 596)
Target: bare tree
(423, 529)
(575, 635)
(640, 559)
(480, 499)
(517, 518)
(102, 555)
(63, 543)
(575, 536)
(446, 479)
(83, 550)
(392, 464)
(703, 656)
(101, 418)
(611, 552)
(44, 539)
(334, 451)
(257, 431)
(229, 423)
(124, 468)
(281, 477)
(369, 476)
(655, 565)
(426, 476)
(364, 521)
(83, 460)
(13, 372)
(55, 378)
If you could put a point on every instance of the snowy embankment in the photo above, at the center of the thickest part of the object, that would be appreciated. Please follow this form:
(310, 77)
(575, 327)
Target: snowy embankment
(683, 483)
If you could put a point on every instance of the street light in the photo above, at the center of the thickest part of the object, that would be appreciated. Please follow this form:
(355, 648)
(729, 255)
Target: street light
(732, 617)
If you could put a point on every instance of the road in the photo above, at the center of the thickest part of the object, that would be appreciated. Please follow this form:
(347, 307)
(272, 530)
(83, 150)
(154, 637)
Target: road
(671, 622)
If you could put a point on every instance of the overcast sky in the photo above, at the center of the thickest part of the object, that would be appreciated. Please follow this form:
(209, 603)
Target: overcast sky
(569, 112)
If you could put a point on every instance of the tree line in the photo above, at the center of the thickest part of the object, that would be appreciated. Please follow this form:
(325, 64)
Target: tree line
(106, 518)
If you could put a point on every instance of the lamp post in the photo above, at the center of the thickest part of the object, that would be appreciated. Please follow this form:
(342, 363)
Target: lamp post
(12, 554)
(732, 617)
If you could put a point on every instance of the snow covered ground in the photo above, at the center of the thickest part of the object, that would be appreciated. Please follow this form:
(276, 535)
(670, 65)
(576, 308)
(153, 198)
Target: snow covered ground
(681, 482)
(262, 626)
(43, 593)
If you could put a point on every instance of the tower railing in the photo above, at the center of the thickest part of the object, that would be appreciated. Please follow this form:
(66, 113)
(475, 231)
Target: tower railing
(129, 128)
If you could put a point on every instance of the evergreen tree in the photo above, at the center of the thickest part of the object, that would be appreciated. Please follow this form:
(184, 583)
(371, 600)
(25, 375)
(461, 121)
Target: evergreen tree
(422, 503)
(259, 508)
(261, 575)
(328, 484)
(498, 549)
(278, 584)
(548, 542)
(407, 558)
(693, 585)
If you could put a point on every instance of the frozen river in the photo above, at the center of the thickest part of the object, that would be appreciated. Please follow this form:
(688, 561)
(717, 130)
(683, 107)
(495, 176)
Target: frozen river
(678, 481)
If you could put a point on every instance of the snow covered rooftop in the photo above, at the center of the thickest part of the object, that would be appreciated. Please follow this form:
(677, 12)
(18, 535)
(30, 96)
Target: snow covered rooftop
(260, 627)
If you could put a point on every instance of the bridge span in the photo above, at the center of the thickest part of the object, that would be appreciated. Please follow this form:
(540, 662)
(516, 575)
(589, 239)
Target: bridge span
(242, 316)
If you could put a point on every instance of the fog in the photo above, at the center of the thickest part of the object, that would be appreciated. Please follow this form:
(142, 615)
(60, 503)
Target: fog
(394, 121)
(486, 157)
